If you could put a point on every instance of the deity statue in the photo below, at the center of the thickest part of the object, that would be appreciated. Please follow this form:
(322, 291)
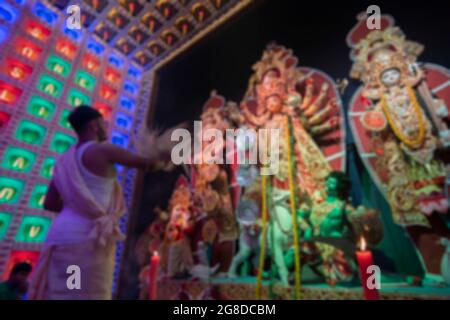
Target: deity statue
(279, 92)
(304, 105)
(399, 118)
(335, 220)
(215, 190)
(176, 255)
(249, 219)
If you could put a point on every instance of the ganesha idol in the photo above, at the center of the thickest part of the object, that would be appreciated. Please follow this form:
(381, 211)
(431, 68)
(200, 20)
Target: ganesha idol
(216, 192)
(399, 118)
(176, 250)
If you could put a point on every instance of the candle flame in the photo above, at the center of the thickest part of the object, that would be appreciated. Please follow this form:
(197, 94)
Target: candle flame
(155, 253)
(362, 244)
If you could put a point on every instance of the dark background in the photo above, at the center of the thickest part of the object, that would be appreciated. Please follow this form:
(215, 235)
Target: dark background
(316, 31)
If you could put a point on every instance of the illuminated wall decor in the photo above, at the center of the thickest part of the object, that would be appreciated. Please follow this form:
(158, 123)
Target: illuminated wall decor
(10, 190)
(63, 119)
(38, 196)
(30, 132)
(27, 49)
(5, 221)
(66, 48)
(47, 167)
(8, 13)
(4, 119)
(44, 13)
(107, 93)
(33, 229)
(104, 109)
(50, 85)
(58, 65)
(90, 63)
(41, 108)
(76, 98)
(120, 139)
(46, 70)
(17, 69)
(37, 30)
(124, 121)
(61, 142)
(85, 80)
(18, 159)
(3, 34)
(9, 94)
(127, 104)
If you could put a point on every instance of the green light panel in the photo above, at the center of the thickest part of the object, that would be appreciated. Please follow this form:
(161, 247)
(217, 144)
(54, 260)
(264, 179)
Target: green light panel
(63, 119)
(50, 86)
(33, 229)
(5, 221)
(38, 196)
(75, 98)
(61, 142)
(10, 190)
(47, 168)
(58, 65)
(41, 108)
(85, 80)
(18, 159)
(30, 132)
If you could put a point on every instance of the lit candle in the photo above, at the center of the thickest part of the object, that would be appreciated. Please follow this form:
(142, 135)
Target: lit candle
(365, 260)
(153, 276)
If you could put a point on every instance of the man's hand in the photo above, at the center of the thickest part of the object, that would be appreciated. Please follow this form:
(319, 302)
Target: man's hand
(164, 143)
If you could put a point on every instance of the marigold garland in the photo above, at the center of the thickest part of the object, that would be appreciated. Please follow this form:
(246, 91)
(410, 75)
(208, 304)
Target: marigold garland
(410, 142)
(293, 209)
(262, 253)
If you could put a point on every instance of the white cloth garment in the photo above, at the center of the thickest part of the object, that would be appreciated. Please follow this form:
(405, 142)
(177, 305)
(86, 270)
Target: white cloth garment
(71, 226)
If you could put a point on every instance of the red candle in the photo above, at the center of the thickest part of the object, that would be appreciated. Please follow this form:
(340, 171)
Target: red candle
(365, 260)
(153, 276)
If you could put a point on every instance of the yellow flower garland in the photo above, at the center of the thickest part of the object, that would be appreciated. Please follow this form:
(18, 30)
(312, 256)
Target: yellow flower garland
(410, 142)
(293, 209)
(262, 253)
(294, 221)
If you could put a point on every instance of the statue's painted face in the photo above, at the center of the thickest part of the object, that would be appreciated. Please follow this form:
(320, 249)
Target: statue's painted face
(213, 120)
(209, 172)
(390, 77)
(180, 214)
(274, 104)
(269, 79)
(331, 184)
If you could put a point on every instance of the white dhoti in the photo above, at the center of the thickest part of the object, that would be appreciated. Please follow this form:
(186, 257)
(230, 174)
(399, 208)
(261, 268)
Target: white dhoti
(83, 235)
